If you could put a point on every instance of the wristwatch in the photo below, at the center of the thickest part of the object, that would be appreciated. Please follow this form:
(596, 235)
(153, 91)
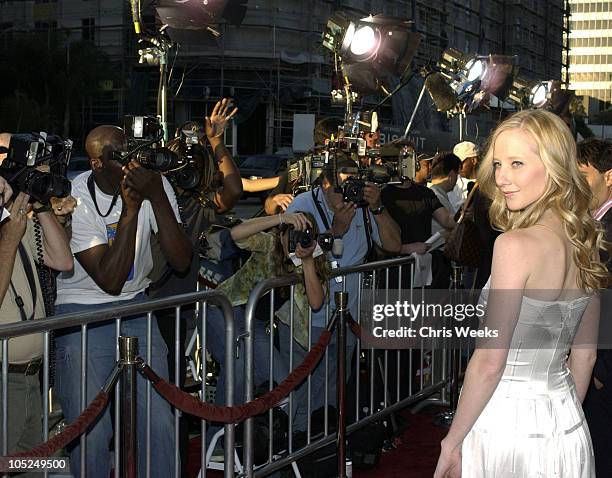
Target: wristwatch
(379, 210)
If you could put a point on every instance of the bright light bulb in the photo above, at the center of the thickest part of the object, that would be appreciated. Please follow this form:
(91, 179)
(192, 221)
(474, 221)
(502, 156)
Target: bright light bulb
(475, 69)
(364, 41)
(539, 94)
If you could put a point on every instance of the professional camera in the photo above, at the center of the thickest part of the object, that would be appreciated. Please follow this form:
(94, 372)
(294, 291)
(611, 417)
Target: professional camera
(303, 173)
(306, 237)
(27, 154)
(352, 187)
(143, 134)
(188, 176)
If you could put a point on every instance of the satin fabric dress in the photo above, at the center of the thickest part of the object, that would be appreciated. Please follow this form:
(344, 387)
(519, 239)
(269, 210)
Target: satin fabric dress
(533, 426)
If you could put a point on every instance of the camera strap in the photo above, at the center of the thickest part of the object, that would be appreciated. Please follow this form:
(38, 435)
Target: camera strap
(92, 192)
(322, 213)
(368, 229)
(29, 272)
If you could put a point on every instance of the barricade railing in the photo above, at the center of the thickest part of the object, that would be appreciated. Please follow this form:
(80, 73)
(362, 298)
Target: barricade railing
(119, 313)
(433, 366)
(442, 369)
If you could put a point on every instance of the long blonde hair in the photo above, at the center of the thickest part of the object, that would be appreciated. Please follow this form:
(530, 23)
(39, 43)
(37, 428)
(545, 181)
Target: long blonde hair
(567, 192)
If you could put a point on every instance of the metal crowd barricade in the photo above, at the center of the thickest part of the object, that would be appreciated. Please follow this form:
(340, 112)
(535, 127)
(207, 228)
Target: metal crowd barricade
(432, 388)
(45, 326)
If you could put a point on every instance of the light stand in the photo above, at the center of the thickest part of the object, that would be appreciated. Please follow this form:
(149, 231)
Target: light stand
(416, 107)
(157, 54)
(162, 107)
(462, 120)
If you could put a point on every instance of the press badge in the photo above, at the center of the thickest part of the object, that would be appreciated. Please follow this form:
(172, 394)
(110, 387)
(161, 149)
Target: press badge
(335, 265)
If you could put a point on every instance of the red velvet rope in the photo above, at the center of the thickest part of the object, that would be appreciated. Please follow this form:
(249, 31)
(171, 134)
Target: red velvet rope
(234, 414)
(72, 431)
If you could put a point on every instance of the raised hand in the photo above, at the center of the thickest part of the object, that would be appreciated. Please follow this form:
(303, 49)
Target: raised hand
(215, 124)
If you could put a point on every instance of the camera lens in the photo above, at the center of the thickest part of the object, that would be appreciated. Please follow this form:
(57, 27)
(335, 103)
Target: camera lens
(160, 159)
(43, 186)
(186, 178)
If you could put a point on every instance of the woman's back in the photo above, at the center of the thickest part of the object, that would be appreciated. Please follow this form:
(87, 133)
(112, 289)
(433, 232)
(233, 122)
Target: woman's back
(552, 271)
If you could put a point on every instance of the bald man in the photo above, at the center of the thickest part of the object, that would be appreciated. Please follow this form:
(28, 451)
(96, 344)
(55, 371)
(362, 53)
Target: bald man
(119, 207)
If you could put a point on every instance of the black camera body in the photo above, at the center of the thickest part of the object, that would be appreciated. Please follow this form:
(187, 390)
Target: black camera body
(303, 173)
(352, 191)
(306, 237)
(352, 188)
(143, 135)
(29, 151)
(188, 176)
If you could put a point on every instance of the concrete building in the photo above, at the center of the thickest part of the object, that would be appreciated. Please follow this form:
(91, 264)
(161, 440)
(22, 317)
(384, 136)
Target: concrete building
(273, 64)
(591, 50)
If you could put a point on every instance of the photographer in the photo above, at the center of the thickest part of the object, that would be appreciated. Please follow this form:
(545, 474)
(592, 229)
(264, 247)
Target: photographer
(119, 208)
(271, 256)
(21, 298)
(199, 206)
(358, 229)
(280, 197)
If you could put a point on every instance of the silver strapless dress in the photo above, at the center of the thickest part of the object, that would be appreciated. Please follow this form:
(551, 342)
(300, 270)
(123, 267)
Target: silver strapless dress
(533, 426)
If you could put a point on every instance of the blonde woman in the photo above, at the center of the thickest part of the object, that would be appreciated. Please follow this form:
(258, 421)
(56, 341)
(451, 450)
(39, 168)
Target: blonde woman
(520, 411)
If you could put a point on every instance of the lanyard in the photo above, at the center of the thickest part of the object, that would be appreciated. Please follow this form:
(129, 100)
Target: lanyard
(92, 192)
(322, 212)
(29, 272)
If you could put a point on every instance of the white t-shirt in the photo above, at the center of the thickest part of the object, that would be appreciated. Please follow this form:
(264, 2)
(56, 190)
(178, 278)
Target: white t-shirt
(459, 193)
(89, 229)
(443, 197)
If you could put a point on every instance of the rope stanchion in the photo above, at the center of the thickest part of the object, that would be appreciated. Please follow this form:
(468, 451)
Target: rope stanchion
(223, 414)
(76, 428)
(71, 432)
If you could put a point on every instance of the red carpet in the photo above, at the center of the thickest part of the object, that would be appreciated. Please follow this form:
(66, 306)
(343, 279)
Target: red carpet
(415, 456)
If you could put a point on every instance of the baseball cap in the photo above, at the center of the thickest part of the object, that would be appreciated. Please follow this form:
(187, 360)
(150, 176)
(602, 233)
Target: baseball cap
(465, 149)
(426, 156)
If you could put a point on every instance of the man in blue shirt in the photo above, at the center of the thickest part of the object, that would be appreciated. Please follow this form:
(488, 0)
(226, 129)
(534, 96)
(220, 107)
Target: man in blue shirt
(353, 225)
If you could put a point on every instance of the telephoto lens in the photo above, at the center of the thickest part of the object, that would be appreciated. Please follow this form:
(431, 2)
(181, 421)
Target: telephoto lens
(158, 159)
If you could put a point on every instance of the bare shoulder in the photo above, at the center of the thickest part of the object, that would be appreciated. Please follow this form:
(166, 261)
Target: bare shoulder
(515, 254)
(514, 241)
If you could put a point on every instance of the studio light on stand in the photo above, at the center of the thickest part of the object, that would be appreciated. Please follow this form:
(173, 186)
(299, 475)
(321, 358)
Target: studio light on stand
(369, 53)
(549, 95)
(462, 83)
